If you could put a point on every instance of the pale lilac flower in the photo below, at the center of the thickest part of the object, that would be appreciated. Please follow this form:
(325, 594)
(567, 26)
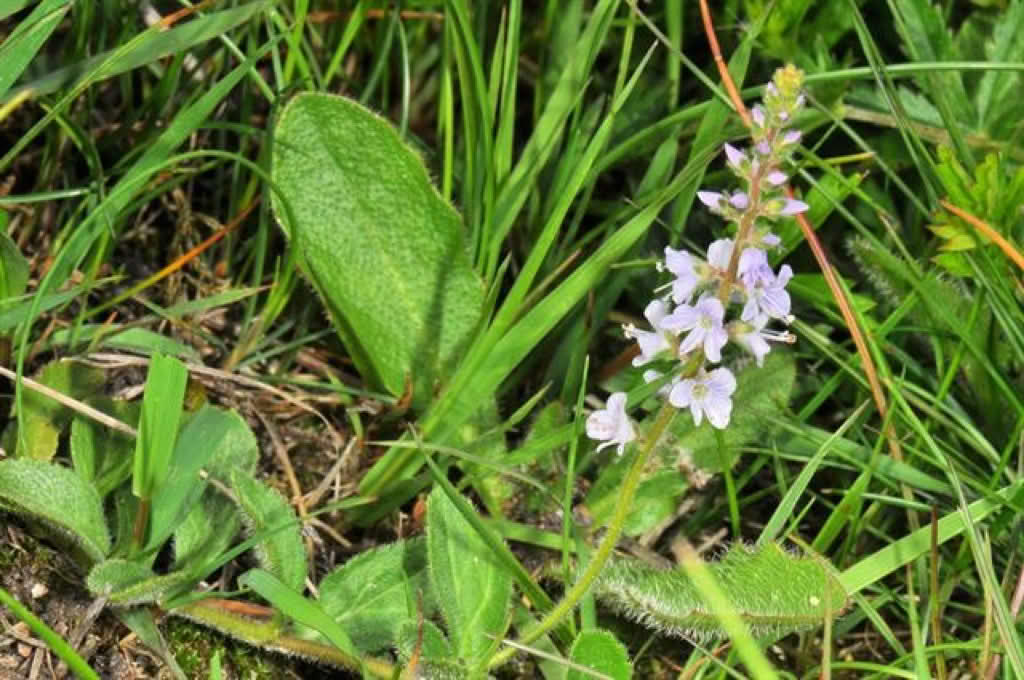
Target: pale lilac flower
(776, 178)
(791, 137)
(739, 200)
(708, 394)
(711, 199)
(771, 240)
(719, 253)
(764, 147)
(734, 155)
(704, 323)
(653, 342)
(754, 338)
(611, 424)
(793, 207)
(753, 265)
(757, 113)
(766, 293)
(680, 264)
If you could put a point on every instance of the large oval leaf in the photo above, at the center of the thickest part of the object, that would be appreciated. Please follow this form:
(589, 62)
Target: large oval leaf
(59, 497)
(381, 246)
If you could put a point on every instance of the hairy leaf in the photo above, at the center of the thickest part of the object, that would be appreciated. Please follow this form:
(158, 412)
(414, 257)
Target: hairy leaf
(58, 497)
(215, 440)
(600, 651)
(385, 252)
(427, 638)
(126, 583)
(206, 532)
(471, 587)
(102, 455)
(266, 513)
(774, 592)
(374, 593)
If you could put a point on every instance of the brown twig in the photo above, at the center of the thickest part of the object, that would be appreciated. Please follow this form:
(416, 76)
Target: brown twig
(73, 404)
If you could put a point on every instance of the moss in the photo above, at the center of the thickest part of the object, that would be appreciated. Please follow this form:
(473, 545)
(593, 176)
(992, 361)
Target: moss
(193, 646)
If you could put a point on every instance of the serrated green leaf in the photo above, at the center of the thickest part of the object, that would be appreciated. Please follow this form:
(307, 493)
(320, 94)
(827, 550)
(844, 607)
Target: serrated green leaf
(386, 253)
(600, 651)
(126, 583)
(775, 593)
(471, 587)
(44, 418)
(58, 497)
(265, 512)
(13, 266)
(372, 594)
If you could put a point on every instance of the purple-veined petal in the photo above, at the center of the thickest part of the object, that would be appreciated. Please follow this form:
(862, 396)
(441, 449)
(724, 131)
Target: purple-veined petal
(752, 262)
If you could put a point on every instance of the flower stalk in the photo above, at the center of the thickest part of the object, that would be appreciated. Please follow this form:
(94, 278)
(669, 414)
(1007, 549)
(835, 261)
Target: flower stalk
(607, 545)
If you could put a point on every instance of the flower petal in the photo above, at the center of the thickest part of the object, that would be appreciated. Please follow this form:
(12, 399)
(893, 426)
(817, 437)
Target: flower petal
(734, 155)
(793, 207)
(710, 198)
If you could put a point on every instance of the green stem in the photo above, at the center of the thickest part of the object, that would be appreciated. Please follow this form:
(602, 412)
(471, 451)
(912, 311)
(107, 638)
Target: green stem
(604, 550)
(55, 642)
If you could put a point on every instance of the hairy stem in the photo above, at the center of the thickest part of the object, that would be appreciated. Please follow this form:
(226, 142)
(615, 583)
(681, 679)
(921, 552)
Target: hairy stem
(607, 545)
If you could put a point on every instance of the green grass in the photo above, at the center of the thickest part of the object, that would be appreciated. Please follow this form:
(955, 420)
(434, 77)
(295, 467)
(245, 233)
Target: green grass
(572, 138)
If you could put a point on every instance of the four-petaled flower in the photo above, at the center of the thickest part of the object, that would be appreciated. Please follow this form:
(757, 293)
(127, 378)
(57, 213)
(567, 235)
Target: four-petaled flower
(707, 394)
(766, 292)
(611, 424)
(704, 323)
